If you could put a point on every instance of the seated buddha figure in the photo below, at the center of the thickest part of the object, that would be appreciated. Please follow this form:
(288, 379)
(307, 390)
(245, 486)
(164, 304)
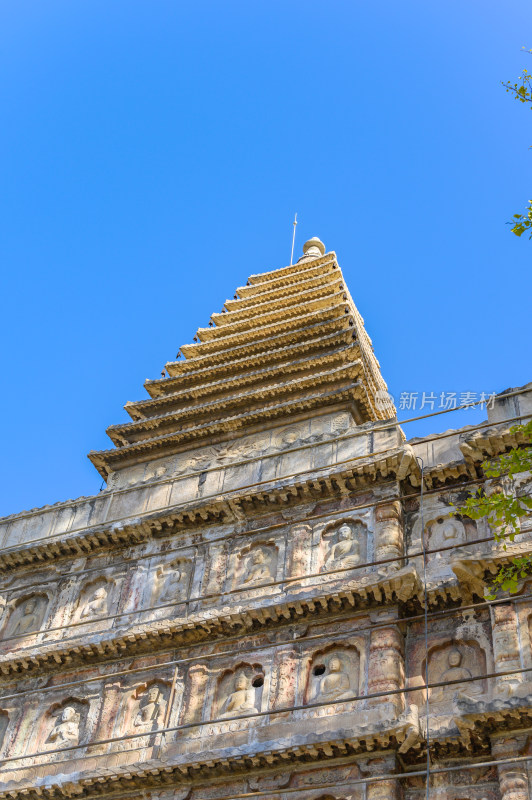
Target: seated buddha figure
(168, 586)
(335, 684)
(454, 672)
(148, 714)
(66, 729)
(242, 699)
(446, 532)
(258, 569)
(346, 551)
(97, 605)
(30, 619)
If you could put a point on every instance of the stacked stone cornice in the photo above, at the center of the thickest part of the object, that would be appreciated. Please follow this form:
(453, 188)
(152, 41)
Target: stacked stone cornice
(241, 612)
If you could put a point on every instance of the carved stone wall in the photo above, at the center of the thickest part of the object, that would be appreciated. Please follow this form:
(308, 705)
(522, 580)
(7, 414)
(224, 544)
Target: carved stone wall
(243, 611)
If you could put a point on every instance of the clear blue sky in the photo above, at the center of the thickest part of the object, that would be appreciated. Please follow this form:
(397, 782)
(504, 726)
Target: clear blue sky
(153, 155)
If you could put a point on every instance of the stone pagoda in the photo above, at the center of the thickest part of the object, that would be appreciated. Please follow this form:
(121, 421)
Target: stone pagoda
(240, 613)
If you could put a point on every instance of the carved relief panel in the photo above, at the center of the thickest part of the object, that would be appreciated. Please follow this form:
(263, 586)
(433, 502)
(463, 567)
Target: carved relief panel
(96, 599)
(239, 691)
(444, 531)
(340, 545)
(62, 725)
(171, 581)
(24, 616)
(333, 674)
(455, 663)
(254, 565)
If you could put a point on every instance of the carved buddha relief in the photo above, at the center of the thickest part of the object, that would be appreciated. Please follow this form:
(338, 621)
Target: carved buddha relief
(444, 532)
(93, 601)
(66, 729)
(150, 709)
(455, 663)
(27, 616)
(344, 547)
(256, 566)
(240, 691)
(170, 582)
(64, 725)
(95, 605)
(333, 676)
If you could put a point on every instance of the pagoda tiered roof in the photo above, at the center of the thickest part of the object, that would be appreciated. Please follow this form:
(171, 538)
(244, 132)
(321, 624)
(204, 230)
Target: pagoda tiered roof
(290, 341)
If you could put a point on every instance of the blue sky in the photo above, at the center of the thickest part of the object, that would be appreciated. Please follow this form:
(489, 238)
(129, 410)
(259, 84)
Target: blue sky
(152, 156)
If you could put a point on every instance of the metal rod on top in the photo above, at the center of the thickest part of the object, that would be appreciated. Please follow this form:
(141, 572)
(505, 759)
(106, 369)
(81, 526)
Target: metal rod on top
(293, 240)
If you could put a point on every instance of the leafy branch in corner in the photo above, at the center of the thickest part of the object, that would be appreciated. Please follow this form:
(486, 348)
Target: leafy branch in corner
(504, 511)
(522, 92)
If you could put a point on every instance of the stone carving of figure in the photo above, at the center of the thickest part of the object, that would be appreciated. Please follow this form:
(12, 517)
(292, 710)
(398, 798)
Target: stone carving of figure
(66, 729)
(335, 684)
(346, 551)
(29, 621)
(97, 605)
(454, 672)
(148, 714)
(258, 570)
(242, 699)
(446, 532)
(168, 584)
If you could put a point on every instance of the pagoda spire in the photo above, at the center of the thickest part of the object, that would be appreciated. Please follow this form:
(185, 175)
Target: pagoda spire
(290, 342)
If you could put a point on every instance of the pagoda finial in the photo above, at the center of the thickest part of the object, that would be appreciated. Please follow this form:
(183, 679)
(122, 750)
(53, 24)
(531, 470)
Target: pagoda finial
(313, 248)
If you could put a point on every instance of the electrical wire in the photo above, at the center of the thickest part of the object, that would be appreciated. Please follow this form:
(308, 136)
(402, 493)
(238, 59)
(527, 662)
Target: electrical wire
(356, 434)
(370, 779)
(257, 648)
(239, 534)
(281, 582)
(425, 623)
(272, 712)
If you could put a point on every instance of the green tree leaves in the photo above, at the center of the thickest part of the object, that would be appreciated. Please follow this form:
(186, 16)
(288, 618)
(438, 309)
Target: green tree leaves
(504, 510)
(522, 92)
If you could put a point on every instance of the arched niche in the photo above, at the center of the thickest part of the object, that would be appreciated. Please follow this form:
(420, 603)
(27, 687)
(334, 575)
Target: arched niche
(26, 615)
(333, 674)
(455, 660)
(256, 565)
(239, 691)
(171, 581)
(95, 599)
(144, 709)
(443, 532)
(62, 726)
(344, 544)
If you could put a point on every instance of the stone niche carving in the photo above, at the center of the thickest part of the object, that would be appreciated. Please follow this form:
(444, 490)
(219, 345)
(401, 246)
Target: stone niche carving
(240, 691)
(333, 675)
(94, 600)
(444, 531)
(27, 615)
(455, 661)
(256, 565)
(146, 708)
(343, 545)
(63, 725)
(171, 581)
